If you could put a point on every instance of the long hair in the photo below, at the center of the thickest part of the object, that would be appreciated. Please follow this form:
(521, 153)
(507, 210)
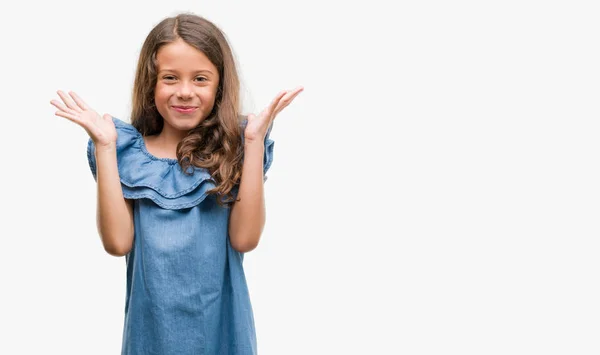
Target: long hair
(215, 144)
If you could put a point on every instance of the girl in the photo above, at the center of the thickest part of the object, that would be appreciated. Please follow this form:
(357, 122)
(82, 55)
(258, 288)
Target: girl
(180, 191)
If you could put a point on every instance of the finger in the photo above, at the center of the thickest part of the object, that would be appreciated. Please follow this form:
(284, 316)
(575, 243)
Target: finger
(291, 95)
(297, 90)
(79, 101)
(269, 111)
(67, 100)
(276, 101)
(279, 109)
(62, 107)
(286, 100)
(69, 116)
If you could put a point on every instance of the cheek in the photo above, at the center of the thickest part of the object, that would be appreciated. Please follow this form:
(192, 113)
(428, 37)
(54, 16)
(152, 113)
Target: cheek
(208, 96)
(161, 94)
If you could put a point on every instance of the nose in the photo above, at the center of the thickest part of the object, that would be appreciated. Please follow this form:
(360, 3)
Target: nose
(184, 91)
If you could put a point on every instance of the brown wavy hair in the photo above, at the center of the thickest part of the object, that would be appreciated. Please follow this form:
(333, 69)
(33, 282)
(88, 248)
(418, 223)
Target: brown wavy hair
(215, 144)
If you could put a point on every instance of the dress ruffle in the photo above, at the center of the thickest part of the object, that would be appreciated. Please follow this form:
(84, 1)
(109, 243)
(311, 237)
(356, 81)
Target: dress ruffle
(161, 180)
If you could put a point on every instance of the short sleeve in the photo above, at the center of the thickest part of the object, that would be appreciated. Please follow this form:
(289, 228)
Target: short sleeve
(144, 176)
(127, 138)
(91, 155)
(268, 157)
(269, 145)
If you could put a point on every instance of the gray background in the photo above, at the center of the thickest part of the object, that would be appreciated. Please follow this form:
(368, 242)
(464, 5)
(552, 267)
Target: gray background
(434, 189)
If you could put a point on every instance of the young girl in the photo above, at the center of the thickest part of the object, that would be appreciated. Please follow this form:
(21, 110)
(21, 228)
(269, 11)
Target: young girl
(180, 191)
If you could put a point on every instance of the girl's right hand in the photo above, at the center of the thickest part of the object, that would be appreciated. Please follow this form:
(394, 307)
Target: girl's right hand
(101, 129)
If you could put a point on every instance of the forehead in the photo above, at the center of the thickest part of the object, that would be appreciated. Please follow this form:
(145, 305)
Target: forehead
(180, 56)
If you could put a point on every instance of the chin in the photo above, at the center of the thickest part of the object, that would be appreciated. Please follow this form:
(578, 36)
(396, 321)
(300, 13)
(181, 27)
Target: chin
(184, 124)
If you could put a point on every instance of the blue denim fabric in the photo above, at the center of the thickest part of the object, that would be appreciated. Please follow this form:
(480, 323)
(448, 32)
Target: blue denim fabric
(186, 287)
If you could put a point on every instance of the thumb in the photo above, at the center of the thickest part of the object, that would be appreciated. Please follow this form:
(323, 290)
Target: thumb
(107, 117)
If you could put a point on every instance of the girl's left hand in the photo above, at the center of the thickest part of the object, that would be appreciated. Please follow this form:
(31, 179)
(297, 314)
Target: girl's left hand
(257, 126)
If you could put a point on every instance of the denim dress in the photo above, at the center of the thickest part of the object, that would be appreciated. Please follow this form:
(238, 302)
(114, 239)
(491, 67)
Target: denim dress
(186, 288)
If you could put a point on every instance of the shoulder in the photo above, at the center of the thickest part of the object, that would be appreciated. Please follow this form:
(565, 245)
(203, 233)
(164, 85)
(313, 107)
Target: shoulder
(144, 176)
(128, 138)
(126, 134)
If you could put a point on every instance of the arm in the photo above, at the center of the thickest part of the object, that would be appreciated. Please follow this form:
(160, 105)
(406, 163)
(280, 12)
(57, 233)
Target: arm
(247, 217)
(114, 214)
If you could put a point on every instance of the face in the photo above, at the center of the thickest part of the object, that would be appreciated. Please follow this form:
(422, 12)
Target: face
(186, 85)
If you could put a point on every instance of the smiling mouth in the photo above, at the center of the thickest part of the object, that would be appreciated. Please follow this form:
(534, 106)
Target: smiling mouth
(185, 109)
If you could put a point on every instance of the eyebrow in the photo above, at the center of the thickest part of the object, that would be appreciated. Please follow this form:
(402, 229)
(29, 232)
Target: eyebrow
(196, 72)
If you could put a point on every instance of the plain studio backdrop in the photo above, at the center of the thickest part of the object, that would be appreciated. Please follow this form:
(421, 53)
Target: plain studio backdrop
(434, 190)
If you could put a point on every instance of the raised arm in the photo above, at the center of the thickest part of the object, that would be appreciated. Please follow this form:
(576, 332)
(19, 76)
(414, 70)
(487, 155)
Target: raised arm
(248, 215)
(114, 214)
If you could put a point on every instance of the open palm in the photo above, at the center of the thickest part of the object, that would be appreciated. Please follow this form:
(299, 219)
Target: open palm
(257, 126)
(101, 129)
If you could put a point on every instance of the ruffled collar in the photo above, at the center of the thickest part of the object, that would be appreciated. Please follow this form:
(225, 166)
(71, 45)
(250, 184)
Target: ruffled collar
(162, 180)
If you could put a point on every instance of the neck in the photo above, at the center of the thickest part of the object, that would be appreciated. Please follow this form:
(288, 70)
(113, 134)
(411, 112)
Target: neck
(169, 138)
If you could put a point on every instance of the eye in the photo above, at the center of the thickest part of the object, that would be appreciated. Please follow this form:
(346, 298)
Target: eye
(169, 77)
(200, 78)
